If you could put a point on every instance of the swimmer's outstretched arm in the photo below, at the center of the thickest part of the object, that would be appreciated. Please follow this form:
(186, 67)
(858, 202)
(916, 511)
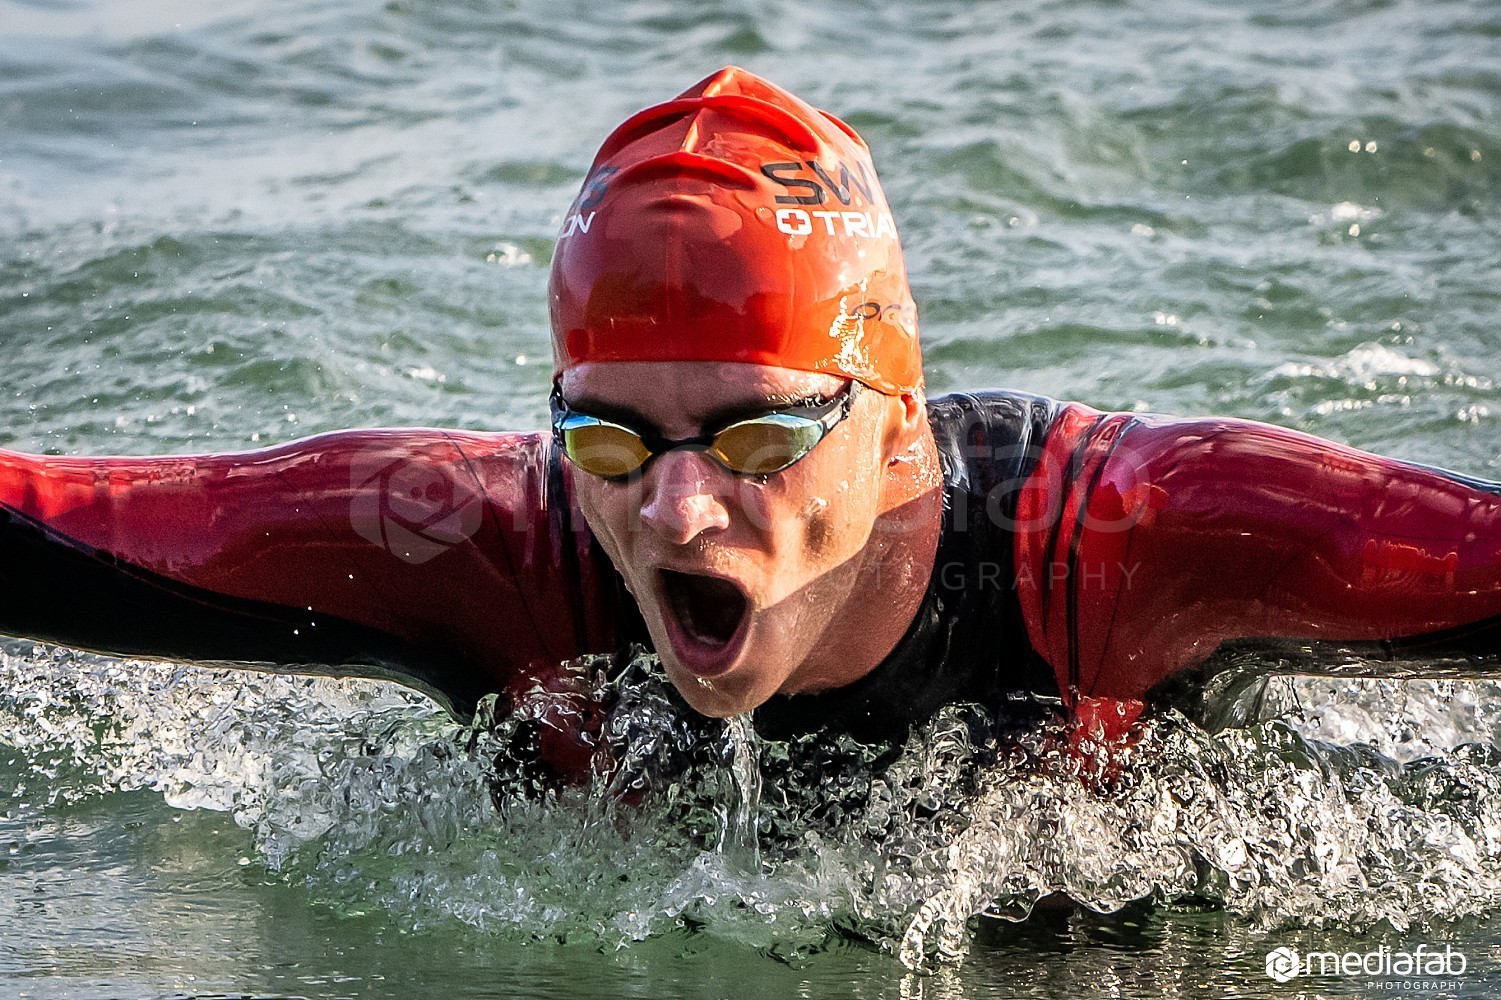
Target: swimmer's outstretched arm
(1149, 542)
(451, 561)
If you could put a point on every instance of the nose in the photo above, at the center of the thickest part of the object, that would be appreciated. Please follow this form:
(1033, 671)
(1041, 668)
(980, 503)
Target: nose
(680, 503)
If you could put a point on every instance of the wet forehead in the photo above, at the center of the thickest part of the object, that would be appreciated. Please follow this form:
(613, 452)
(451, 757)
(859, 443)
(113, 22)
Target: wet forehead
(682, 396)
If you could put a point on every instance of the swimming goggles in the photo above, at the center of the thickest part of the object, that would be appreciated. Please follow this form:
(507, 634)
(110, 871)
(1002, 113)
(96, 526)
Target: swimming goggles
(749, 446)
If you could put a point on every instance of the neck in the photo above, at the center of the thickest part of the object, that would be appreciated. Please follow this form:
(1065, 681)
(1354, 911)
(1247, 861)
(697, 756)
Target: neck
(895, 567)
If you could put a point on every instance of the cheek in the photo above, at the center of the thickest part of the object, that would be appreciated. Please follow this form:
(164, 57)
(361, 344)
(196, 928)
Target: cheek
(609, 514)
(840, 522)
(782, 513)
(852, 480)
(835, 506)
(758, 507)
(820, 526)
(822, 523)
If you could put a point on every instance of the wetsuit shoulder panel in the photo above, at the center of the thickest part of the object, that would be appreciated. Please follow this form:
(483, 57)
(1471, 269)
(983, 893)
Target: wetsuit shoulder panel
(1148, 542)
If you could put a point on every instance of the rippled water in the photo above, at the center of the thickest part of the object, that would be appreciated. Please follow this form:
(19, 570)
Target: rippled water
(233, 224)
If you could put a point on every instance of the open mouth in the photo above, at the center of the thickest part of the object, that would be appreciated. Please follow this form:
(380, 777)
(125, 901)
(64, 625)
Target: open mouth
(708, 609)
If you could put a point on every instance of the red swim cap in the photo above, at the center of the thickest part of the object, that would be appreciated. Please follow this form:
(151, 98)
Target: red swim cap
(735, 223)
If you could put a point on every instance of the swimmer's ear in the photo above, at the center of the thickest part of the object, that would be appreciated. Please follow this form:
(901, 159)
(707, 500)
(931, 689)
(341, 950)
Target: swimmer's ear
(906, 421)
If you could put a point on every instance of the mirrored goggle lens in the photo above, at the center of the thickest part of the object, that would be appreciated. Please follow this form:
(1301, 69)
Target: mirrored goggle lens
(603, 448)
(766, 444)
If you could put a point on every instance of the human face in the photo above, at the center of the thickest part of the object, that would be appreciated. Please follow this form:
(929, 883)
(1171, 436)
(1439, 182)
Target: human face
(738, 577)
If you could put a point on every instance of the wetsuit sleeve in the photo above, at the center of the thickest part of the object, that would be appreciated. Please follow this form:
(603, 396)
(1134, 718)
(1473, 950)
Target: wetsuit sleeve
(453, 562)
(1146, 543)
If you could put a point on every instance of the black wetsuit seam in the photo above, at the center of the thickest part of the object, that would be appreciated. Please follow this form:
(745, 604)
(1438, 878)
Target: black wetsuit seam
(1076, 542)
(1071, 474)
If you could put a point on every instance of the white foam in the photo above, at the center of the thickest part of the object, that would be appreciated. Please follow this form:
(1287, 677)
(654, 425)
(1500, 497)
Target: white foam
(1342, 809)
(1360, 365)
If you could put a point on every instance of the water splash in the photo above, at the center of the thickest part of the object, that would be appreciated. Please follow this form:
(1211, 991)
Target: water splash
(739, 837)
(1341, 804)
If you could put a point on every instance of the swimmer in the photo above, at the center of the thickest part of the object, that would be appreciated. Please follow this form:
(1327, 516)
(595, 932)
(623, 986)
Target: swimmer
(744, 475)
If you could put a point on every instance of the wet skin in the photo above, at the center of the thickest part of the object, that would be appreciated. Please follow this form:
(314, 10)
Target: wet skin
(798, 581)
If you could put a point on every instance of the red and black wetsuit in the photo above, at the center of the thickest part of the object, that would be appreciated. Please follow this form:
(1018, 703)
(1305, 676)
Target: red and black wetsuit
(1084, 554)
(1103, 556)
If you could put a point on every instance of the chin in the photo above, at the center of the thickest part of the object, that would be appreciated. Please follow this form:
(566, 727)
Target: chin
(716, 697)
